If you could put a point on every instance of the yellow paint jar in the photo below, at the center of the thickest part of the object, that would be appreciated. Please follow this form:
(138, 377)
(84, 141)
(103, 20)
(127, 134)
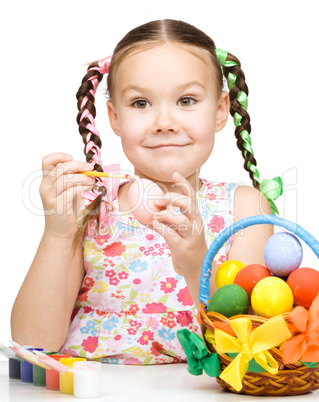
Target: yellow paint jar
(66, 379)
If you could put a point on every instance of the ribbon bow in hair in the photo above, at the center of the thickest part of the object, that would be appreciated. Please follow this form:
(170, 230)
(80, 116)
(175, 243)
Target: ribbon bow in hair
(198, 358)
(250, 345)
(305, 346)
(103, 65)
(272, 189)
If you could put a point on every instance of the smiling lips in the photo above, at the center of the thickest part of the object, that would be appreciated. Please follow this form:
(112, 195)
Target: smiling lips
(168, 146)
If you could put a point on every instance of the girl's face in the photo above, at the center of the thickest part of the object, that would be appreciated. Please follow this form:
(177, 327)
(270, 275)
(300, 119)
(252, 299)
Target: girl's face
(166, 109)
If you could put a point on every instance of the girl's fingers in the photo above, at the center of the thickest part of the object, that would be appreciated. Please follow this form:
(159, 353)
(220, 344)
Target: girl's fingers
(65, 201)
(177, 200)
(59, 175)
(66, 170)
(76, 180)
(187, 206)
(50, 161)
(172, 217)
(176, 221)
(184, 186)
(71, 168)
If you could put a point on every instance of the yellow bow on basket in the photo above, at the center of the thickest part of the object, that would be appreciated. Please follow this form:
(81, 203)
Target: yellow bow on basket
(249, 344)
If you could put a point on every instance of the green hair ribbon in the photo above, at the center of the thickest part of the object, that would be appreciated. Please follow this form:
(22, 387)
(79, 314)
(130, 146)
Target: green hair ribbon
(243, 101)
(198, 358)
(271, 189)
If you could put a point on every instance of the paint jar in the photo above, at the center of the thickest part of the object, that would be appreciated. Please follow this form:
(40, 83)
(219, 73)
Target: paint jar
(87, 379)
(66, 379)
(26, 368)
(52, 376)
(39, 377)
(14, 369)
(38, 374)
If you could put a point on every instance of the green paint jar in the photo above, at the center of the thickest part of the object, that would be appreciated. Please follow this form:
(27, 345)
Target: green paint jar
(39, 376)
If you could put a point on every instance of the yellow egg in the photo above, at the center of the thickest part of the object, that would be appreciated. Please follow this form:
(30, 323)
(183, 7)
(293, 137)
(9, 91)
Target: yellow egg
(271, 296)
(226, 272)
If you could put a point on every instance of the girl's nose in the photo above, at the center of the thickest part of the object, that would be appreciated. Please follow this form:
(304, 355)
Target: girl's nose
(165, 121)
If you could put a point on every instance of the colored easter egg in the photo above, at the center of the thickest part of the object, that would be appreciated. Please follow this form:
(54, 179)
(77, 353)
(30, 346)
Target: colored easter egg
(226, 272)
(229, 300)
(304, 284)
(282, 253)
(271, 296)
(141, 197)
(248, 276)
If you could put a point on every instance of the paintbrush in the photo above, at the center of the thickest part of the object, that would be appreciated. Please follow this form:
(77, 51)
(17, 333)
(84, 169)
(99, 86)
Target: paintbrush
(109, 175)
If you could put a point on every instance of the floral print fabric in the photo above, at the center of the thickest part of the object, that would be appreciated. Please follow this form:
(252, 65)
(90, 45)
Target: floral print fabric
(132, 302)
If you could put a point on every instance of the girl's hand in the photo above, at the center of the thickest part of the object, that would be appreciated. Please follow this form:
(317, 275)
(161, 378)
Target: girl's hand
(184, 231)
(60, 189)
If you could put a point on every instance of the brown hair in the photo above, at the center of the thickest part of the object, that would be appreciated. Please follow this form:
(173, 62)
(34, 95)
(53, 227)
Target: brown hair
(144, 36)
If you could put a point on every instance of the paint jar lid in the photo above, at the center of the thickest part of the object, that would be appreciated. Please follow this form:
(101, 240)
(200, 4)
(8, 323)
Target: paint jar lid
(87, 365)
(69, 361)
(58, 357)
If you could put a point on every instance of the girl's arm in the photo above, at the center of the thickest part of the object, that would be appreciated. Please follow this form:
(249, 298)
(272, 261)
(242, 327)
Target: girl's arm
(248, 245)
(41, 312)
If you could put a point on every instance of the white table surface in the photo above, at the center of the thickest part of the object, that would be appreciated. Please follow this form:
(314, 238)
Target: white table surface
(156, 383)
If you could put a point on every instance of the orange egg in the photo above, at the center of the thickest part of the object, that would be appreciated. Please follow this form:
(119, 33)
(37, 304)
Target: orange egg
(248, 276)
(304, 284)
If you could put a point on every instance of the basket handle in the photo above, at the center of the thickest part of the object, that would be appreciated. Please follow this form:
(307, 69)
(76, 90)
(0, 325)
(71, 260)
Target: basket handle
(204, 293)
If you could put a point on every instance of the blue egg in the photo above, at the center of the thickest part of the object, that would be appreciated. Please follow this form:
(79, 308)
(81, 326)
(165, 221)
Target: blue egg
(283, 253)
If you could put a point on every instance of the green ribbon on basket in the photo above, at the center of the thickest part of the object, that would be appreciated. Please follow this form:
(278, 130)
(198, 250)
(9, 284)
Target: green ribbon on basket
(272, 189)
(309, 364)
(252, 365)
(198, 358)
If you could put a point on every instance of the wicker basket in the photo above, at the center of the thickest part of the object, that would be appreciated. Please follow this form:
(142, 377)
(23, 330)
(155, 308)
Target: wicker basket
(292, 379)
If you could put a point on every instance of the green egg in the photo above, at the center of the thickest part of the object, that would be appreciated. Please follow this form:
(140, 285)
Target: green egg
(229, 300)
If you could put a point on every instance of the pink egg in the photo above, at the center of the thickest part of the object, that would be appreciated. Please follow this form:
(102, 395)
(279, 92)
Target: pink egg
(141, 197)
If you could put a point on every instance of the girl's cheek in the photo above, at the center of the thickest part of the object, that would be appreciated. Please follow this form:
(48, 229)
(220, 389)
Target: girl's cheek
(135, 123)
(132, 130)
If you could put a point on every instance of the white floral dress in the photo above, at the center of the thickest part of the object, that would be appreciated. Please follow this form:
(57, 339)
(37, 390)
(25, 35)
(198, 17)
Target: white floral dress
(132, 302)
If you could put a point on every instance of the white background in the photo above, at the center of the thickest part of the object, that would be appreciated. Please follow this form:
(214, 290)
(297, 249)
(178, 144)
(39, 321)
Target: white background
(45, 47)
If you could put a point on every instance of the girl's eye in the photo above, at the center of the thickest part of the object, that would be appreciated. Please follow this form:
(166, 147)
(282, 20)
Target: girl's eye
(187, 101)
(141, 104)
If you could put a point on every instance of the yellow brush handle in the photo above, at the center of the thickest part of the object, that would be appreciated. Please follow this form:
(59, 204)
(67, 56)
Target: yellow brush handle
(102, 174)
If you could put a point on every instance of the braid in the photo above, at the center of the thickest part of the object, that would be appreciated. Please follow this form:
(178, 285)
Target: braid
(238, 93)
(87, 113)
(86, 116)
(91, 139)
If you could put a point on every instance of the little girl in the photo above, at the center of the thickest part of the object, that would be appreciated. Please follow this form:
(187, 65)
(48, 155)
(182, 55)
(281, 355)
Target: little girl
(128, 287)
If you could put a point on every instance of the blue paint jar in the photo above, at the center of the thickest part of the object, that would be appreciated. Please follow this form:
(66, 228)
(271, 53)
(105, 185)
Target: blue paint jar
(27, 368)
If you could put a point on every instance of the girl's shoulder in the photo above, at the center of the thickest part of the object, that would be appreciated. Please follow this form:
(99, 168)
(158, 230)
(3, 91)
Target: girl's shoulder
(249, 201)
